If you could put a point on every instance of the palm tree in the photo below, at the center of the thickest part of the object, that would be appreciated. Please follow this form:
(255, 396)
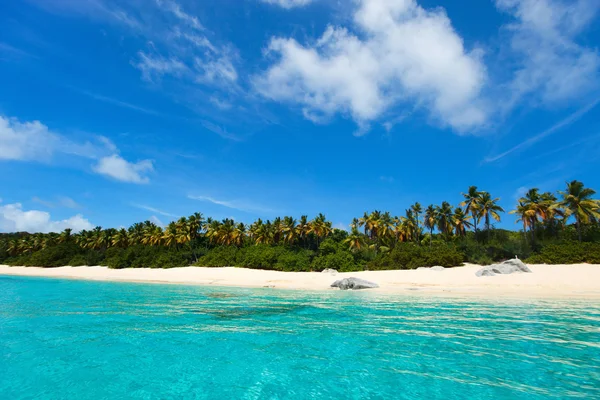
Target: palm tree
(355, 240)
(461, 222)
(577, 201)
(65, 236)
(488, 207)
(170, 235)
(472, 204)
(303, 228)
(239, 234)
(136, 233)
(527, 216)
(289, 229)
(120, 239)
(430, 221)
(417, 210)
(444, 219)
(14, 247)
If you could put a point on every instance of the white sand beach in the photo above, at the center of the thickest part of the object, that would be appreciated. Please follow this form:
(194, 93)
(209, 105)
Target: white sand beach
(580, 280)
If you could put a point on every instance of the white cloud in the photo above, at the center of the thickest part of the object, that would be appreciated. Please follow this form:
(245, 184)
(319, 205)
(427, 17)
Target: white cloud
(287, 4)
(154, 210)
(402, 53)
(120, 169)
(26, 141)
(552, 66)
(14, 219)
(33, 141)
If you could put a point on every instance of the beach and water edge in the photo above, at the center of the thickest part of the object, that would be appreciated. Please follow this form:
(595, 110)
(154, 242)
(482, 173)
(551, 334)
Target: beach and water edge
(576, 280)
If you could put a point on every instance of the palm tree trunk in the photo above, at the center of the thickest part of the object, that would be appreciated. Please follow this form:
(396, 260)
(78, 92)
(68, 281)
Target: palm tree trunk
(430, 237)
(578, 223)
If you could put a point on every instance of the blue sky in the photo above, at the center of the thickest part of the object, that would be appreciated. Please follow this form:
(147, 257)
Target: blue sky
(117, 111)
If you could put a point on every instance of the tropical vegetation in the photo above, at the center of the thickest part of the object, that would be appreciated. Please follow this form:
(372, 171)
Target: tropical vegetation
(555, 227)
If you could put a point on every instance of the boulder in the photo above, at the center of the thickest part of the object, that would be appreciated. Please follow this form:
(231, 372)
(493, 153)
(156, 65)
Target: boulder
(354, 284)
(485, 272)
(329, 271)
(517, 263)
(505, 268)
(437, 268)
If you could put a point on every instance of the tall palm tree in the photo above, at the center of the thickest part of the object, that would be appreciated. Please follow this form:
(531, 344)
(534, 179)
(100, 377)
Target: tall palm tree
(170, 235)
(290, 231)
(444, 219)
(430, 221)
(577, 201)
(302, 229)
(417, 210)
(489, 208)
(472, 200)
(239, 234)
(461, 222)
(527, 216)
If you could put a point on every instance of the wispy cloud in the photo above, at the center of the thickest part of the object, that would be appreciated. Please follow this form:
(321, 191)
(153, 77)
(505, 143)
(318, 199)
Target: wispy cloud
(61, 201)
(119, 103)
(154, 210)
(221, 131)
(576, 116)
(288, 4)
(157, 221)
(12, 51)
(233, 204)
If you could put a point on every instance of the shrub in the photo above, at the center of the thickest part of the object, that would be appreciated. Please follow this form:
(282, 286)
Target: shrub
(567, 253)
(297, 261)
(411, 256)
(341, 261)
(223, 256)
(54, 256)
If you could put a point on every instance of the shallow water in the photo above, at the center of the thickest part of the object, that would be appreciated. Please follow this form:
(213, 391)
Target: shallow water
(66, 339)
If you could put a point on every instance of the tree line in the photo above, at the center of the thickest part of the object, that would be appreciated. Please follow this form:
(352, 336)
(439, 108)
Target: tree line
(469, 225)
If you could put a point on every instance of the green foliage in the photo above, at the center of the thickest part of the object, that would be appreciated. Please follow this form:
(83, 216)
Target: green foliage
(411, 256)
(146, 257)
(223, 256)
(567, 253)
(54, 256)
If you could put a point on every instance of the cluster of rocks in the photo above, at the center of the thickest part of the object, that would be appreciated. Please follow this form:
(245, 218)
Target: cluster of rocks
(505, 268)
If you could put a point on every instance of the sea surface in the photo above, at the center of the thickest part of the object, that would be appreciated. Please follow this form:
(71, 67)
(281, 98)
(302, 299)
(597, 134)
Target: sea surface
(68, 339)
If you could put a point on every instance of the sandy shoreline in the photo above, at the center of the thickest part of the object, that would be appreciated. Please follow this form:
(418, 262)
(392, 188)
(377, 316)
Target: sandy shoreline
(579, 280)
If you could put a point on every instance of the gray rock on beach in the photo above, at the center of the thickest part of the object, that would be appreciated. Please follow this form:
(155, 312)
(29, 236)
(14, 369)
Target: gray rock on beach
(329, 271)
(354, 284)
(505, 268)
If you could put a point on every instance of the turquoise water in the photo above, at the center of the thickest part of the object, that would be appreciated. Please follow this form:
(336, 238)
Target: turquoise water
(63, 339)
